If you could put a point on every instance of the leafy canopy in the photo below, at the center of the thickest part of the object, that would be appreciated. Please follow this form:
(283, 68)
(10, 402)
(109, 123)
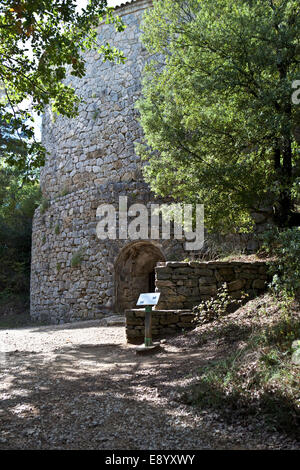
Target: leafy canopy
(216, 111)
(41, 41)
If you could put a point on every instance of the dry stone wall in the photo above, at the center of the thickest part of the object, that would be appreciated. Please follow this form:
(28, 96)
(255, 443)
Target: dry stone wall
(97, 147)
(91, 161)
(184, 285)
(164, 323)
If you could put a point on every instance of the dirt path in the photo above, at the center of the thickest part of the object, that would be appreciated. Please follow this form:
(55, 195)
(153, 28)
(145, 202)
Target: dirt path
(80, 386)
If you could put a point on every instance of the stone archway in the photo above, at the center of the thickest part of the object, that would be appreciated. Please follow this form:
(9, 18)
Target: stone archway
(134, 273)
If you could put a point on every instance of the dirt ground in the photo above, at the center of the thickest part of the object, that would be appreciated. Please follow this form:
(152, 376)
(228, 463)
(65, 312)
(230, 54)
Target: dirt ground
(80, 386)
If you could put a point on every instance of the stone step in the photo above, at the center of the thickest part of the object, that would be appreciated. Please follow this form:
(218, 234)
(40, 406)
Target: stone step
(114, 320)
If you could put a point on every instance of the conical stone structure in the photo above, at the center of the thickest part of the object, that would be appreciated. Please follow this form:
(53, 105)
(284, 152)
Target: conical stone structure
(91, 162)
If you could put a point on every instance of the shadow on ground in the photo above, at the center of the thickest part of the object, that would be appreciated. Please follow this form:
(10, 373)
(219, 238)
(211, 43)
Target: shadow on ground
(104, 396)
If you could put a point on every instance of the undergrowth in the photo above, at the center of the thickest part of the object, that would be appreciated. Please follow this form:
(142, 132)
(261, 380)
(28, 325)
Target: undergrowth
(256, 378)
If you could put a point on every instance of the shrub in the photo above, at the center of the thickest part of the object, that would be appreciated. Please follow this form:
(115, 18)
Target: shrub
(77, 258)
(45, 204)
(18, 202)
(284, 245)
(65, 191)
(215, 308)
(57, 229)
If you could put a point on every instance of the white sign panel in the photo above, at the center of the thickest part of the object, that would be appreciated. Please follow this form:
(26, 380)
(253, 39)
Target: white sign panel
(148, 299)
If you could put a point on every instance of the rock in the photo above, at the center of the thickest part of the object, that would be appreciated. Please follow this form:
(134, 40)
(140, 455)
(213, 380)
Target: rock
(210, 290)
(164, 283)
(236, 285)
(259, 284)
(225, 274)
(114, 320)
(175, 264)
(296, 344)
(296, 357)
(207, 281)
(205, 272)
(259, 217)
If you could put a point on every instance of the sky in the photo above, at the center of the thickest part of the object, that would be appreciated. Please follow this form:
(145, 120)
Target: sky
(114, 3)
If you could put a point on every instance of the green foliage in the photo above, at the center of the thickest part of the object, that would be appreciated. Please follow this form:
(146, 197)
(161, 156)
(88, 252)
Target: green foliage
(95, 115)
(40, 43)
(258, 378)
(216, 109)
(65, 191)
(236, 389)
(284, 245)
(216, 307)
(45, 204)
(17, 204)
(77, 258)
(15, 321)
(57, 229)
(285, 330)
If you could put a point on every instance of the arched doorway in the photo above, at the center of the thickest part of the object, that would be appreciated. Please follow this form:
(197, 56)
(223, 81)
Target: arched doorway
(134, 273)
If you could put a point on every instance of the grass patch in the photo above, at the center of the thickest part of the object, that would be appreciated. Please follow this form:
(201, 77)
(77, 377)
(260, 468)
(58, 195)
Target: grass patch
(57, 229)
(77, 258)
(65, 191)
(45, 204)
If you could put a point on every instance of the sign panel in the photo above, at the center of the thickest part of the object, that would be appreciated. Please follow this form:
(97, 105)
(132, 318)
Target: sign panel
(148, 299)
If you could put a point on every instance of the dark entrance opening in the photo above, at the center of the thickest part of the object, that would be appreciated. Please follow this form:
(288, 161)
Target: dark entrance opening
(134, 273)
(151, 278)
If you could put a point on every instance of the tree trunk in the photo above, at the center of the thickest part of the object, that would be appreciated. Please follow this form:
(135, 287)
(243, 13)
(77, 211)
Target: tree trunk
(283, 209)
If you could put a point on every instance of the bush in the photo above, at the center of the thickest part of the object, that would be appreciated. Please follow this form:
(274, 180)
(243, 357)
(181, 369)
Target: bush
(257, 379)
(18, 202)
(215, 308)
(284, 246)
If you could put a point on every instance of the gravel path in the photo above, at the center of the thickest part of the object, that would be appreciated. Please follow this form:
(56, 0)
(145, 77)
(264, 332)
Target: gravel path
(80, 386)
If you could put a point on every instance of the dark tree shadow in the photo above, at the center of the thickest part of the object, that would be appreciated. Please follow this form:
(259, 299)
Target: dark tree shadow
(105, 396)
(94, 397)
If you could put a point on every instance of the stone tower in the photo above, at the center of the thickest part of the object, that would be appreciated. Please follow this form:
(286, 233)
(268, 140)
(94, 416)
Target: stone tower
(92, 161)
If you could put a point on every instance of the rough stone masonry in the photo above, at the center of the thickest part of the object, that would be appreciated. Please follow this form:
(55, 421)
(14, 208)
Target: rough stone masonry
(92, 161)
(183, 285)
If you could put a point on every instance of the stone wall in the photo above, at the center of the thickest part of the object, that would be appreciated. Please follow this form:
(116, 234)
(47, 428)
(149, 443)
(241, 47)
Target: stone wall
(184, 285)
(62, 290)
(97, 147)
(164, 323)
(91, 161)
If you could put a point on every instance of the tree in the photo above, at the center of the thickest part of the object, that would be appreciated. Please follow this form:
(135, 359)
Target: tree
(217, 112)
(18, 200)
(41, 41)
